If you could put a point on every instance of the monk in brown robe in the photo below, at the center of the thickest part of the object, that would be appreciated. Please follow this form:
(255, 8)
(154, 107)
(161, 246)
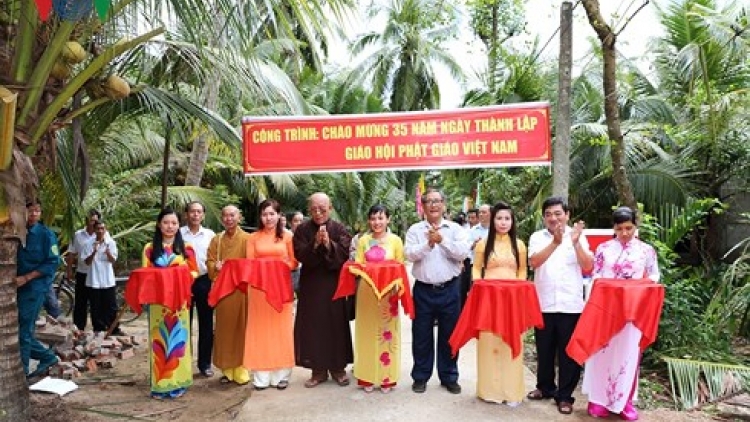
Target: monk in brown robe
(322, 337)
(231, 311)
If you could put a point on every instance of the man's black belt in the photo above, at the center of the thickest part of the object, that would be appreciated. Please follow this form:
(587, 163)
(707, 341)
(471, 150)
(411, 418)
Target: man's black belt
(438, 286)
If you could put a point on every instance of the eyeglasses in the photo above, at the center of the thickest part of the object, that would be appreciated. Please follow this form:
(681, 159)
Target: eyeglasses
(432, 201)
(318, 210)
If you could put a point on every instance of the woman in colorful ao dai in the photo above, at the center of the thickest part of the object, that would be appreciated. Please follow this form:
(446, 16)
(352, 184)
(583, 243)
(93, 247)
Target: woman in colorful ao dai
(269, 334)
(170, 359)
(611, 377)
(502, 256)
(377, 328)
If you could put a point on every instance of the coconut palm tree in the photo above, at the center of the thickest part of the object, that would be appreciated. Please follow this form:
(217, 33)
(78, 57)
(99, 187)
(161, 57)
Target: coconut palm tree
(702, 67)
(703, 71)
(73, 65)
(401, 68)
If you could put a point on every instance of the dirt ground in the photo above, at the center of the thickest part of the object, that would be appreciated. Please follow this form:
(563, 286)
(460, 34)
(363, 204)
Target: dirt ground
(123, 393)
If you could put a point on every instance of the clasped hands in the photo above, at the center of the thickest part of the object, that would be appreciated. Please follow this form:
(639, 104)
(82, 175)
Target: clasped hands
(433, 236)
(322, 238)
(575, 235)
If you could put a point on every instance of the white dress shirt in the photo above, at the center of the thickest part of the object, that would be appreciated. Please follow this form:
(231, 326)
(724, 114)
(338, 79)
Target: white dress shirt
(81, 238)
(559, 281)
(101, 273)
(200, 242)
(443, 261)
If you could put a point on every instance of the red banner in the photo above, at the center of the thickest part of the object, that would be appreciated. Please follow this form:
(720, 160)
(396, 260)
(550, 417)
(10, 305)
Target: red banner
(497, 136)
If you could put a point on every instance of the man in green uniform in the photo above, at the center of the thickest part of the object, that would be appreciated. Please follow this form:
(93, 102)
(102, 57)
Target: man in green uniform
(37, 262)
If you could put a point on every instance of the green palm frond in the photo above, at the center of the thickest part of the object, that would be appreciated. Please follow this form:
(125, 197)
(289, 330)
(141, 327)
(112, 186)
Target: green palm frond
(720, 380)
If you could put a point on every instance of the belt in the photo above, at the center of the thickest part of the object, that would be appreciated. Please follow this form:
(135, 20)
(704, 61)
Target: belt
(438, 286)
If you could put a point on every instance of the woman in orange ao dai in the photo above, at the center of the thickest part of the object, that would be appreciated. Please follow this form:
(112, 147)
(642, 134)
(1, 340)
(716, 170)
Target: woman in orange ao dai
(269, 337)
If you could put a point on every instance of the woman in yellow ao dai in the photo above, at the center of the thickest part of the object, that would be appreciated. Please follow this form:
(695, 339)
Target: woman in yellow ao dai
(500, 256)
(377, 328)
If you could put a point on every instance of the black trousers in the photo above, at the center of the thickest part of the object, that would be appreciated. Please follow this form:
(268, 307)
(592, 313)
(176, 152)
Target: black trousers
(444, 305)
(82, 302)
(103, 307)
(201, 288)
(551, 342)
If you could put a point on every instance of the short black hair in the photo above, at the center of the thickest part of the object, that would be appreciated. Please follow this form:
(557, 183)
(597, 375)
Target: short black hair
(94, 212)
(191, 203)
(555, 200)
(624, 214)
(377, 209)
(33, 202)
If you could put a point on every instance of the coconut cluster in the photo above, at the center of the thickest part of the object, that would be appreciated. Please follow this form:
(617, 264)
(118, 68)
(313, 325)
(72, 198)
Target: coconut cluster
(72, 54)
(114, 87)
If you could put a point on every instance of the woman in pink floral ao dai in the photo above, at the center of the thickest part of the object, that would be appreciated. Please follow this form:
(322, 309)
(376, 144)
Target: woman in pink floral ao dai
(611, 376)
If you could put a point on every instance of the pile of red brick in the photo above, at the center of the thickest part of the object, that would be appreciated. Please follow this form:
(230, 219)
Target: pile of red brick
(83, 351)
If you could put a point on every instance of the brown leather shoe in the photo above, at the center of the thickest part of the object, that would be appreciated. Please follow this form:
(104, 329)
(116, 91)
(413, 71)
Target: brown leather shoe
(564, 407)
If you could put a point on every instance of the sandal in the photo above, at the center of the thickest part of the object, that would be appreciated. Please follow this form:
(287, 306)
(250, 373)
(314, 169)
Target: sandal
(342, 380)
(537, 395)
(313, 382)
(225, 380)
(282, 385)
(565, 408)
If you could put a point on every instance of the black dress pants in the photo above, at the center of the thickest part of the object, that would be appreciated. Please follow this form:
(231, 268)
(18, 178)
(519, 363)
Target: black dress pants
(551, 342)
(201, 288)
(103, 307)
(82, 302)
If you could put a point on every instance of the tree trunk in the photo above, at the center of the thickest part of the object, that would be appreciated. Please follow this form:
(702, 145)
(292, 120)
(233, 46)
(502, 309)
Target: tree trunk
(561, 153)
(199, 155)
(14, 392)
(608, 38)
(169, 128)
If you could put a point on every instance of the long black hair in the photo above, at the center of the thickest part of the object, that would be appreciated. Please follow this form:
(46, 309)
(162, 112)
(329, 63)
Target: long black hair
(157, 244)
(276, 207)
(490, 246)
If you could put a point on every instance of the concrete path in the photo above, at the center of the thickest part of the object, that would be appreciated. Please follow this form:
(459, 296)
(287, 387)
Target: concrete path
(328, 402)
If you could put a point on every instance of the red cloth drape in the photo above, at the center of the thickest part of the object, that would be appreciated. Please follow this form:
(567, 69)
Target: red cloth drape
(612, 304)
(170, 287)
(504, 307)
(270, 275)
(382, 278)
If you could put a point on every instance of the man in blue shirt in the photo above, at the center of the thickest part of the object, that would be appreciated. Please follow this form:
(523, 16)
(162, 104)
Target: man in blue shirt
(37, 262)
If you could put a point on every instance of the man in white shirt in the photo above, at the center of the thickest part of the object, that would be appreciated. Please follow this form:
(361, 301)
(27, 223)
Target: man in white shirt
(76, 261)
(558, 254)
(100, 256)
(477, 232)
(472, 217)
(437, 247)
(200, 237)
